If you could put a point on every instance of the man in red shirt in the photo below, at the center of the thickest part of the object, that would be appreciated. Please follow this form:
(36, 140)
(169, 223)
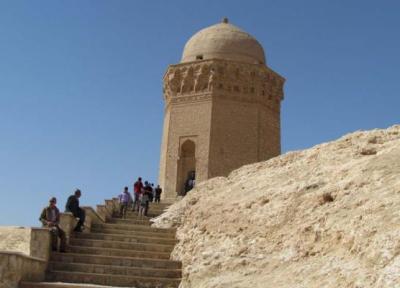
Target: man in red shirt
(137, 189)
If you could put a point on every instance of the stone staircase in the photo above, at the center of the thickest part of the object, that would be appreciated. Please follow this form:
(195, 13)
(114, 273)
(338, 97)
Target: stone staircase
(121, 252)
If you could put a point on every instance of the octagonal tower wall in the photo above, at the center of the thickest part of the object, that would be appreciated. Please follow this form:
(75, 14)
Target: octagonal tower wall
(230, 110)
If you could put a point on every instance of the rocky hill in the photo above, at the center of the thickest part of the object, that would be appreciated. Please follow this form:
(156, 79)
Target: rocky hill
(328, 216)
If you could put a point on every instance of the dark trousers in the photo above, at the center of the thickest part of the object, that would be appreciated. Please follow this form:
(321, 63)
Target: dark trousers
(136, 203)
(79, 213)
(55, 233)
(122, 209)
(157, 198)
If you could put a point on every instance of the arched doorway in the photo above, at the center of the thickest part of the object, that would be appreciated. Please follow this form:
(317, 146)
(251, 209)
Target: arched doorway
(186, 167)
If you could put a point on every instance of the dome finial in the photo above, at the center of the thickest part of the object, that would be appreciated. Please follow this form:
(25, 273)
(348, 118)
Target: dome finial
(225, 20)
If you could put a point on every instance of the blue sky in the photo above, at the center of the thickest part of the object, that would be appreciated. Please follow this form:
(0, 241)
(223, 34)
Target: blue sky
(81, 84)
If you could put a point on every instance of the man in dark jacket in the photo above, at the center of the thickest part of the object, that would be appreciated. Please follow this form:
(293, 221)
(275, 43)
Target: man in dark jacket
(148, 191)
(158, 194)
(50, 218)
(73, 207)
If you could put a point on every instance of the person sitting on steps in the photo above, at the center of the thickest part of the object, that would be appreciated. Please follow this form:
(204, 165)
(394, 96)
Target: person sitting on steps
(50, 218)
(73, 207)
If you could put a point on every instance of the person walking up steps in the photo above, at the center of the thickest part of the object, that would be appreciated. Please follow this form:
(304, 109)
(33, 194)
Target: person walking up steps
(144, 202)
(124, 200)
(153, 192)
(149, 191)
(137, 190)
(158, 192)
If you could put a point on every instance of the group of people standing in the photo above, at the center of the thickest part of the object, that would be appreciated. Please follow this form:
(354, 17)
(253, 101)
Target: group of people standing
(143, 194)
(50, 218)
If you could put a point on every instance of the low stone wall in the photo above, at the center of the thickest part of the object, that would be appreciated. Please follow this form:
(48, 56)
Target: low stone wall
(102, 212)
(112, 205)
(25, 251)
(16, 267)
(67, 223)
(92, 217)
(106, 211)
(40, 243)
(33, 242)
(15, 239)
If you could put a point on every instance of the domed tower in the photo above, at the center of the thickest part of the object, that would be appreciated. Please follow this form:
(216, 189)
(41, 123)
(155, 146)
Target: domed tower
(222, 108)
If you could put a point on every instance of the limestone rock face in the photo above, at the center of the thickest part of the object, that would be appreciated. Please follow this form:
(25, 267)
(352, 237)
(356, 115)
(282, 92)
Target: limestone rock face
(326, 217)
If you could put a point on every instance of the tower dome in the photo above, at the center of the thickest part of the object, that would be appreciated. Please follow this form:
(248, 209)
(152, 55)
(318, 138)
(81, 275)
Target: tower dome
(223, 41)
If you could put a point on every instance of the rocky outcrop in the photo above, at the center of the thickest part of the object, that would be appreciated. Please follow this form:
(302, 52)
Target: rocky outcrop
(324, 217)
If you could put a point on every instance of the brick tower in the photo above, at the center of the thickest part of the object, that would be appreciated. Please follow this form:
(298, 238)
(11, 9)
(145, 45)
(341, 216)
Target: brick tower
(222, 108)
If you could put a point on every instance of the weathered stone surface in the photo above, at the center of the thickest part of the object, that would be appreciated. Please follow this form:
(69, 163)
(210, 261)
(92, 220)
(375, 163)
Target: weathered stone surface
(92, 217)
(15, 239)
(16, 267)
(68, 223)
(226, 41)
(40, 243)
(33, 242)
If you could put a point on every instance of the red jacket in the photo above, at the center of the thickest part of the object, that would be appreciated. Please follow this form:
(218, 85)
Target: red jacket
(137, 187)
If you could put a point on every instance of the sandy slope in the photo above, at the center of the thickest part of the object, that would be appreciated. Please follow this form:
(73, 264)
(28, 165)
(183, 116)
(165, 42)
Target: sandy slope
(328, 216)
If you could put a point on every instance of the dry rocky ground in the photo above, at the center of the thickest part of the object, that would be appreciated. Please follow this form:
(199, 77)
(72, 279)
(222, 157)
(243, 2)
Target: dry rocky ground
(328, 216)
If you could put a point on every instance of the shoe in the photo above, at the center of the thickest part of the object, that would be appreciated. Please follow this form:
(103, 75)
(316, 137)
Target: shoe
(79, 230)
(63, 251)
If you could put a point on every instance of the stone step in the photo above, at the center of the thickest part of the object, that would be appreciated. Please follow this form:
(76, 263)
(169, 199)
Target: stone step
(150, 213)
(59, 285)
(115, 260)
(157, 207)
(114, 230)
(128, 226)
(127, 221)
(114, 270)
(134, 215)
(159, 204)
(122, 245)
(133, 220)
(125, 238)
(118, 252)
(151, 210)
(112, 280)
